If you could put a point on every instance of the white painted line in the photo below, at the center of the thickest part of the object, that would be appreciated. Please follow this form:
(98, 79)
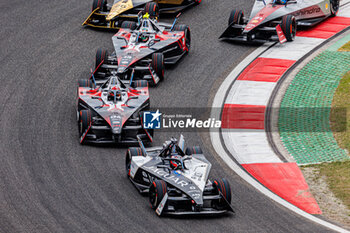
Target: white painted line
(342, 2)
(294, 50)
(250, 93)
(249, 146)
(345, 11)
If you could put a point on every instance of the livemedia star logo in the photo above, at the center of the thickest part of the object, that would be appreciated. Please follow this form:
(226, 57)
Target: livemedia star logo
(152, 120)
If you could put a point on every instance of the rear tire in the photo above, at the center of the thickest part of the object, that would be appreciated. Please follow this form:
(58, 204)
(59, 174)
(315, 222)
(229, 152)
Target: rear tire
(101, 57)
(84, 121)
(152, 9)
(223, 186)
(157, 191)
(129, 25)
(334, 7)
(187, 31)
(133, 151)
(193, 150)
(236, 17)
(102, 4)
(158, 65)
(289, 27)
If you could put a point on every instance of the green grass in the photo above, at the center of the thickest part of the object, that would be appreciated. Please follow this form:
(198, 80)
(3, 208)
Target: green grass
(338, 173)
(345, 47)
(341, 102)
(338, 179)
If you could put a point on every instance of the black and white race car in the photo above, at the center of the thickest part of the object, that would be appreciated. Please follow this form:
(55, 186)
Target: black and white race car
(143, 49)
(277, 20)
(177, 181)
(110, 112)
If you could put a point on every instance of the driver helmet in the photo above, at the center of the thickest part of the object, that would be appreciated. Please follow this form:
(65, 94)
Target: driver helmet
(282, 1)
(175, 164)
(143, 38)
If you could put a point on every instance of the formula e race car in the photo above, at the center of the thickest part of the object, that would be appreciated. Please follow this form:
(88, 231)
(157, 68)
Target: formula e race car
(278, 20)
(111, 16)
(110, 112)
(142, 49)
(176, 180)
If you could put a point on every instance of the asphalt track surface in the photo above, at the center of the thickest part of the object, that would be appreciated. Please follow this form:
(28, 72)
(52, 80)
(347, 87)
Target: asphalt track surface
(49, 182)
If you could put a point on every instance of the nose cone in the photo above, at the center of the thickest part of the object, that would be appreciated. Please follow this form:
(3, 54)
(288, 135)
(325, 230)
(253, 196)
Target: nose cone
(124, 63)
(121, 69)
(253, 23)
(116, 124)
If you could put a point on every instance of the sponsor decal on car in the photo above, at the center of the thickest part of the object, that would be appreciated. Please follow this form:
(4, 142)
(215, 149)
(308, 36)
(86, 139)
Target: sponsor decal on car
(167, 176)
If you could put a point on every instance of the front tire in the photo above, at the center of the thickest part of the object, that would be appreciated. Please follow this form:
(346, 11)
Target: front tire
(101, 4)
(133, 151)
(223, 186)
(334, 7)
(84, 121)
(158, 65)
(289, 27)
(193, 150)
(236, 17)
(101, 57)
(157, 192)
(187, 31)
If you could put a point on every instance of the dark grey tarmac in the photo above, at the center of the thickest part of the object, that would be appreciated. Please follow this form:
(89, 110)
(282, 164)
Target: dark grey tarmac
(49, 182)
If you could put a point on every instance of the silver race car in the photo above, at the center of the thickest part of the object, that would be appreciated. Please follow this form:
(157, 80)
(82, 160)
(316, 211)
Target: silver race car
(176, 180)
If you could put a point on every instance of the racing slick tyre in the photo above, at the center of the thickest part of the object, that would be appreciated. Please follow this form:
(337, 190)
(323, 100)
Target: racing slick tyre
(84, 83)
(140, 83)
(223, 186)
(193, 150)
(101, 57)
(152, 9)
(132, 151)
(102, 4)
(334, 7)
(129, 25)
(186, 30)
(84, 121)
(157, 191)
(236, 17)
(158, 65)
(289, 27)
